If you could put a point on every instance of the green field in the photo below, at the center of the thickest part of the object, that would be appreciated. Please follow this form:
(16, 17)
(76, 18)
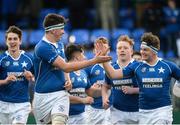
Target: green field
(175, 114)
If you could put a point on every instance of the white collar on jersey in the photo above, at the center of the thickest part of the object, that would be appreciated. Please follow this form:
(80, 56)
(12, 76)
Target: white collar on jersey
(21, 52)
(159, 59)
(46, 40)
(126, 65)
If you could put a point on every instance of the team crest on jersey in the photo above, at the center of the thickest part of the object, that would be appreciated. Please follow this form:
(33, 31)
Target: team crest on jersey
(7, 63)
(143, 69)
(61, 108)
(79, 79)
(15, 64)
(18, 117)
(97, 72)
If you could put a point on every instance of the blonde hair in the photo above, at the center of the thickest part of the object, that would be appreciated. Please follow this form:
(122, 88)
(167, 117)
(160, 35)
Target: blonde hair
(104, 40)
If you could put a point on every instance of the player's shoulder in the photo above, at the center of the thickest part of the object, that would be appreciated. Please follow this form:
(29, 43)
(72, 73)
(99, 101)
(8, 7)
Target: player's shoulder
(3, 55)
(26, 54)
(42, 44)
(167, 62)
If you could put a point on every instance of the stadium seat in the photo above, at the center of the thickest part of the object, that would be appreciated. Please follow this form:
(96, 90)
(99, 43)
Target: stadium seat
(115, 35)
(35, 37)
(136, 34)
(113, 55)
(127, 17)
(99, 32)
(79, 36)
(65, 37)
(161, 54)
(64, 12)
(25, 41)
(2, 39)
(170, 54)
(89, 54)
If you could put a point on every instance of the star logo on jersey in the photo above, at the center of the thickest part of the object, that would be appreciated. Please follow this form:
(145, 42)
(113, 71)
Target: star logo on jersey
(97, 72)
(85, 80)
(72, 79)
(24, 64)
(161, 70)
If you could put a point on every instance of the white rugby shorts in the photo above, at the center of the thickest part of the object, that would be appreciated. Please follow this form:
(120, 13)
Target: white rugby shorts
(47, 104)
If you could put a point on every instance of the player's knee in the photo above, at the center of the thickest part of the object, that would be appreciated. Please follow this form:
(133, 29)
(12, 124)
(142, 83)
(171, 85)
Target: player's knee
(59, 119)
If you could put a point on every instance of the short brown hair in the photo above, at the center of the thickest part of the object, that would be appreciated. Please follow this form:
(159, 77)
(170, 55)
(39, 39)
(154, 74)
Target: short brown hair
(151, 40)
(126, 38)
(136, 53)
(14, 29)
(53, 19)
(71, 49)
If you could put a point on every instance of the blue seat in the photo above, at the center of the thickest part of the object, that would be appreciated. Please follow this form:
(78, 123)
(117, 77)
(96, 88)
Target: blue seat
(170, 54)
(64, 12)
(113, 55)
(79, 36)
(25, 40)
(127, 17)
(2, 39)
(65, 38)
(136, 34)
(88, 54)
(35, 37)
(99, 33)
(116, 33)
(161, 54)
(137, 45)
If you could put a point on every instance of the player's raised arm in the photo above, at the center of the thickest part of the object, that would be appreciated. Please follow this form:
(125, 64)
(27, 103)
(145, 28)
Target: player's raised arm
(68, 67)
(111, 72)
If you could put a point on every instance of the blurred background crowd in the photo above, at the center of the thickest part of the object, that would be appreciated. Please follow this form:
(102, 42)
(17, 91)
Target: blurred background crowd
(89, 19)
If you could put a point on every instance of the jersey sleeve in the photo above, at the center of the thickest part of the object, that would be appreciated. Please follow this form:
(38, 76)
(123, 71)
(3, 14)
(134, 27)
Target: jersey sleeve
(61, 47)
(130, 69)
(175, 70)
(47, 53)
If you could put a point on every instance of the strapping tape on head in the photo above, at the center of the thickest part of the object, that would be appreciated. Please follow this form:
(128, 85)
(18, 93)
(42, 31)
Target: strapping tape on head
(144, 44)
(53, 27)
